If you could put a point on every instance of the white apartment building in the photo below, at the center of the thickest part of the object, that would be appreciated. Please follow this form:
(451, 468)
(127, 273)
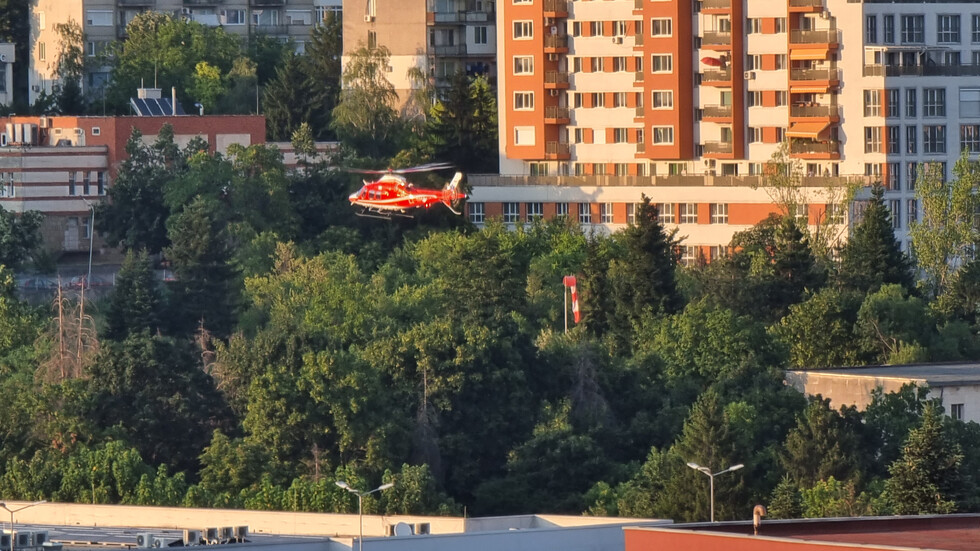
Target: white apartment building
(685, 101)
(104, 21)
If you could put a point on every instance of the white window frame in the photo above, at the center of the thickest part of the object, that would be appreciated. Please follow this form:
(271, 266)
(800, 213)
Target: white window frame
(523, 65)
(606, 213)
(662, 99)
(584, 213)
(511, 212)
(477, 212)
(687, 213)
(535, 209)
(664, 59)
(662, 135)
(524, 101)
(523, 29)
(661, 26)
(719, 213)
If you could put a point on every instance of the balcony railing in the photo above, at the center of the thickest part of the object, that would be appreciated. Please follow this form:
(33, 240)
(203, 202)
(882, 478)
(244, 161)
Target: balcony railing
(448, 50)
(555, 112)
(556, 41)
(829, 36)
(806, 3)
(804, 147)
(203, 2)
(718, 147)
(685, 181)
(638, 76)
(639, 111)
(814, 74)
(716, 4)
(716, 38)
(556, 149)
(637, 4)
(136, 2)
(717, 111)
(720, 75)
(638, 39)
(641, 147)
(261, 3)
(556, 77)
(922, 70)
(821, 111)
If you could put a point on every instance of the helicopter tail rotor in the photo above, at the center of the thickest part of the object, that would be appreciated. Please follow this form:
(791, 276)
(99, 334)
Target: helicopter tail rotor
(451, 193)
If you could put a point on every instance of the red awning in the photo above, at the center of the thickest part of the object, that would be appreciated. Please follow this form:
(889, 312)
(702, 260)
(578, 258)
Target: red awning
(711, 61)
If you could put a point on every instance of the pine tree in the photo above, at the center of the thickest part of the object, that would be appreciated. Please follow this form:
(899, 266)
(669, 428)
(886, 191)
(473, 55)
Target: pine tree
(795, 269)
(135, 301)
(872, 256)
(926, 479)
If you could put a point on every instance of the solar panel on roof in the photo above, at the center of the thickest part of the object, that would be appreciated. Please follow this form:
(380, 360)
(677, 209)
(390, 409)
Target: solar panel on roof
(150, 107)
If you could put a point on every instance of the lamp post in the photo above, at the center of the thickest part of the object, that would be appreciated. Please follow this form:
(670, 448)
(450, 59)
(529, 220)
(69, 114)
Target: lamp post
(91, 240)
(12, 511)
(360, 510)
(712, 476)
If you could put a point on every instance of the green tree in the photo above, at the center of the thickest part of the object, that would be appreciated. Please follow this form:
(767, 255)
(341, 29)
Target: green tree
(135, 302)
(944, 235)
(19, 236)
(785, 501)
(462, 125)
(323, 59)
(15, 28)
(894, 327)
(70, 68)
(824, 444)
(365, 118)
(872, 256)
(207, 85)
(889, 418)
(285, 100)
(926, 479)
(819, 332)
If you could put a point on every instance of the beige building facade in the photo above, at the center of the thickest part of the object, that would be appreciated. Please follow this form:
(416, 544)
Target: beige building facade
(104, 21)
(434, 38)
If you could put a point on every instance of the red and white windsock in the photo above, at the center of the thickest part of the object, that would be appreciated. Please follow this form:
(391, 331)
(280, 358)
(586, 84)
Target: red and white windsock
(570, 283)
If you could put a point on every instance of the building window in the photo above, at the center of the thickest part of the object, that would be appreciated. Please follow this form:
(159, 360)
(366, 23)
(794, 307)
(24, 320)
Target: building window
(606, 213)
(689, 255)
(893, 133)
(523, 101)
(524, 135)
(913, 29)
(561, 210)
(661, 27)
(86, 182)
(477, 212)
(234, 17)
(872, 103)
(970, 102)
(895, 213)
(934, 139)
(42, 51)
(754, 98)
(662, 99)
(802, 214)
(523, 30)
(872, 139)
(619, 99)
(912, 212)
(688, 213)
(755, 136)
(970, 137)
(892, 97)
(911, 174)
(782, 98)
(911, 139)
(663, 135)
(893, 181)
(956, 411)
(975, 27)
(888, 28)
(665, 213)
(523, 65)
(871, 29)
(98, 18)
(480, 35)
(620, 135)
(780, 25)
(933, 102)
(910, 102)
(948, 29)
(719, 213)
(662, 63)
(512, 212)
(835, 213)
(86, 227)
(71, 182)
(631, 209)
(584, 213)
(372, 40)
(534, 210)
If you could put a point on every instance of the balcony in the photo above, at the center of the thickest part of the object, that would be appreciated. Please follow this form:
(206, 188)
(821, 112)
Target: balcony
(449, 50)
(814, 150)
(716, 5)
(806, 6)
(136, 3)
(716, 38)
(637, 4)
(638, 77)
(717, 112)
(717, 77)
(641, 148)
(556, 115)
(556, 44)
(718, 148)
(831, 112)
(556, 8)
(822, 78)
(204, 3)
(638, 40)
(829, 36)
(555, 79)
(270, 29)
(922, 70)
(266, 3)
(639, 112)
(556, 151)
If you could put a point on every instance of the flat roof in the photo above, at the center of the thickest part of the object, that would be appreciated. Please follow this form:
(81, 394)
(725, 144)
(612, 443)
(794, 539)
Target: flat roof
(947, 374)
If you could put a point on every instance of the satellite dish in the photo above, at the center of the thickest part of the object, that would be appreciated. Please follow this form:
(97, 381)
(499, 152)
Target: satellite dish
(403, 529)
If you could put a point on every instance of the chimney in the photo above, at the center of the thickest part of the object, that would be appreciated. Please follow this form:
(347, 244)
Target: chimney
(173, 100)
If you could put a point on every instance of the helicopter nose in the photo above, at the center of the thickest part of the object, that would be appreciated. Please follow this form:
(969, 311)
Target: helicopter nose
(352, 196)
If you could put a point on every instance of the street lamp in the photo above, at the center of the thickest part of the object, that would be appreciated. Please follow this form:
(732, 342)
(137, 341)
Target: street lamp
(712, 476)
(91, 240)
(12, 511)
(360, 511)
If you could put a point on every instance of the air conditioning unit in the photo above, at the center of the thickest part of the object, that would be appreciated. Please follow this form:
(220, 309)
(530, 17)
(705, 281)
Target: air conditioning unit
(227, 533)
(23, 538)
(45, 122)
(709, 162)
(241, 532)
(40, 538)
(160, 542)
(554, 29)
(421, 528)
(368, 18)
(617, 40)
(3, 58)
(144, 540)
(749, 75)
(548, 20)
(825, 14)
(5, 541)
(192, 537)
(553, 92)
(210, 535)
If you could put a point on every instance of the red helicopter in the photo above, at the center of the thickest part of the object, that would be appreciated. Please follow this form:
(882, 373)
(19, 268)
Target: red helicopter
(393, 195)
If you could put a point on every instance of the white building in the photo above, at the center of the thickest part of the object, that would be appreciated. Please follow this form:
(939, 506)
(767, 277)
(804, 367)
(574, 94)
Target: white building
(7, 59)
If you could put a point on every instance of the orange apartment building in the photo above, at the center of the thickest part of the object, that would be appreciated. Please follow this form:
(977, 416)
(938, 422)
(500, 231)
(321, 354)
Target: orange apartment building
(602, 101)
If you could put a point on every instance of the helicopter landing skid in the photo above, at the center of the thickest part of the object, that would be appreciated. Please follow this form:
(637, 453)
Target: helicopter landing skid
(382, 215)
